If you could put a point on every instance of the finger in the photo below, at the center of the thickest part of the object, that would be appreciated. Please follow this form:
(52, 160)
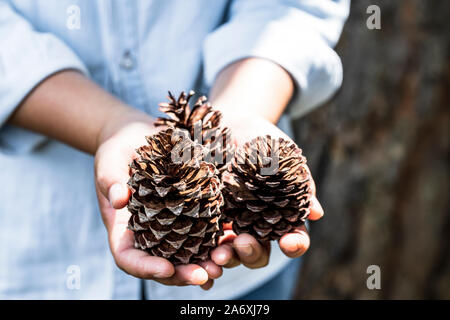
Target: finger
(112, 174)
(190, 274)
(312, 185)
(214, 271)
(134, 261)
(121, 241)
(251, 253)
(140, 264)
(224, 256)
(107, 211)
(228, 236)
(233, 263)
(295, 243)
(316, 210)
(208, 285)
(118, 195)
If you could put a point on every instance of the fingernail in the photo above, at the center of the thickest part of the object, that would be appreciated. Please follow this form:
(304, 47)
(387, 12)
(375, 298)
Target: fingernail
(115, 192)
(301, 246)
(221, 258)
(246, 250)
(199, 276)
(292, 243)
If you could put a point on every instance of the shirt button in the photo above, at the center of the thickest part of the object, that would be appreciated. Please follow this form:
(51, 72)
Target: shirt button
(127, 62)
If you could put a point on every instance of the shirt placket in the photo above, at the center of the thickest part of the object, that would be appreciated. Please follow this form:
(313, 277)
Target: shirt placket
(130, 90)
(130, 83)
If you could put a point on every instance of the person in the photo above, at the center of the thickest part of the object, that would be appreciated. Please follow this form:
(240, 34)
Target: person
(82, 78)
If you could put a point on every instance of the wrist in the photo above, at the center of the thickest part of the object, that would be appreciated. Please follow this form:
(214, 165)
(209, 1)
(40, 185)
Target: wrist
(254, 85)
(245, 125)
(119, 118)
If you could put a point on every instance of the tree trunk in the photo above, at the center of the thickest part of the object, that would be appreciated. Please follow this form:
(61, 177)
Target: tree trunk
(379, 155)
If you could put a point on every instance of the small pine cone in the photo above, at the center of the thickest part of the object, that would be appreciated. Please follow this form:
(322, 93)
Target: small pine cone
(203, 124)
(176, 200)
(267, 188)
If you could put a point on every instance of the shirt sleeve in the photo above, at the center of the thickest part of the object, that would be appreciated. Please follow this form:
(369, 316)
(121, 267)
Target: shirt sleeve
(298, 35)
(26, 58)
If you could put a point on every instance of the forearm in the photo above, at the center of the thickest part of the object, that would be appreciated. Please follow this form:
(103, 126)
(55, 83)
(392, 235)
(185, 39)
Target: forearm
(70, 108)
(253, 87)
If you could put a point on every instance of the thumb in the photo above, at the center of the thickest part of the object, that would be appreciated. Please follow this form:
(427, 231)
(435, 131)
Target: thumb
(111, 171)
(118, 195)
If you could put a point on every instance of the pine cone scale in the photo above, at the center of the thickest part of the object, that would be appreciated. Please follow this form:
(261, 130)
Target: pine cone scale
(263, 201)
(183, 185)
(175, 206)
(202, 122)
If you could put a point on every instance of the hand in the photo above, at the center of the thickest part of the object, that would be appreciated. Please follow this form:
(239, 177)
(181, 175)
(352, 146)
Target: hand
(117, 143)
(245, 249)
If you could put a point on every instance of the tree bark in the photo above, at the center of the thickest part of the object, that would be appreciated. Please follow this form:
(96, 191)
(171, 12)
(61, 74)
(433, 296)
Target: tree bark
(379, 152)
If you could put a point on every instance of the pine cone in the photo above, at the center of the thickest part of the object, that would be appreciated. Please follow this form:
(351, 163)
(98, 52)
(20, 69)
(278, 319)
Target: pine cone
(176, 199)
(203, 124)
(267, 188)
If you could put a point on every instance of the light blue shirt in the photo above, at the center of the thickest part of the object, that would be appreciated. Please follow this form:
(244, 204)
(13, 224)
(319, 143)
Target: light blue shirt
(52, 240)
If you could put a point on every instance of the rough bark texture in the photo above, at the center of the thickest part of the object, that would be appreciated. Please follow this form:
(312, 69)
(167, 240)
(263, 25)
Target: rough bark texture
(379, 152)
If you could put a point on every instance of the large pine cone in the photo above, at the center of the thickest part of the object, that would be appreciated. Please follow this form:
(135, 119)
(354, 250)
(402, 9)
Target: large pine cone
(267, 188)
(176, 199)
(203, 124)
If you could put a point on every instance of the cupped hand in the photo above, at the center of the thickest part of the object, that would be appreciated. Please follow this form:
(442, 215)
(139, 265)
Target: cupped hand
(116, 149)
(245, 249)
